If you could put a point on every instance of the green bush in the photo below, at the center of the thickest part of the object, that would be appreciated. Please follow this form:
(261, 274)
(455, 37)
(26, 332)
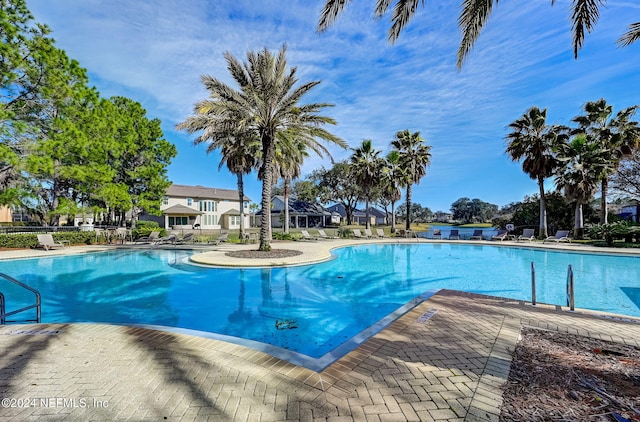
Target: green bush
(282, 236)
(611, 231)
(345, 232)
(30, 240)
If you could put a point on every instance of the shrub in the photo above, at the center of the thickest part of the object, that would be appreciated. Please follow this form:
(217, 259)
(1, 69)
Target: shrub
(30, 240)
(345, 232)
(609, 232)
(282, 236)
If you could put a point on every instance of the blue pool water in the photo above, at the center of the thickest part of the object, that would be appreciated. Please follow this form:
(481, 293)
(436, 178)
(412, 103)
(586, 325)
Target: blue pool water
(327, 303)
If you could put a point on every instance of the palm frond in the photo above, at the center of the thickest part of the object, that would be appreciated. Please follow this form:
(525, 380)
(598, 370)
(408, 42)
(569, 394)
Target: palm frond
(584, 17)
(381, 8)
(330, 12)
(631, 36)
(402, 14)
(472, 18)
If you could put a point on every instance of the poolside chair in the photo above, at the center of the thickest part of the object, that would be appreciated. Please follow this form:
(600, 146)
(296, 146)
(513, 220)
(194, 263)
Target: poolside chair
(368, 234)
(437, 234)
(221, 239)
(380, 232)
(184, 239)
(560, 236)
(501, 235)
(357, 234)
(477, 235)
(153, 236)
(170, 238)
(454, 235)
(325, 236)
(306, 235)
(46, 241)
(527, 234)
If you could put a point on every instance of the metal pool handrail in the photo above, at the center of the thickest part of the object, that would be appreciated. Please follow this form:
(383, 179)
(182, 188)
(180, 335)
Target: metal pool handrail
(570, 291)
(37, 305)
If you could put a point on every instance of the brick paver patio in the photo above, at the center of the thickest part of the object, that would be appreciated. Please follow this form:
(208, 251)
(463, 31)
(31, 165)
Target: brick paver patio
(445, 360)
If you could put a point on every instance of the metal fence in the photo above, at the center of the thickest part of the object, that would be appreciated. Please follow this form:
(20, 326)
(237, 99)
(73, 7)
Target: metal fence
(37, 229)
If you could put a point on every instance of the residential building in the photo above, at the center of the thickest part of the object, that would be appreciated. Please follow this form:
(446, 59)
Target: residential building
(631, 212)
(302, 214)
(185, 207)
(376, 217)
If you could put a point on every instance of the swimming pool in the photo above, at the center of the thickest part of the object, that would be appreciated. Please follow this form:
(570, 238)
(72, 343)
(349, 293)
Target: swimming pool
(315, 308)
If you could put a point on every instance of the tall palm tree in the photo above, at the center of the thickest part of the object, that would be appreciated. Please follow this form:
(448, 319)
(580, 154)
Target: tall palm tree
(266, 103)
(618, 135)
(533, 140)
(238, 150)
(415, 157)
(580, 173)
(367, 166)
(393, 178)
(473, 16)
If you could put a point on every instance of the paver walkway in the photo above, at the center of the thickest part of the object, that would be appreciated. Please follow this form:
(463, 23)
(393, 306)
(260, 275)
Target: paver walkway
(446, 360)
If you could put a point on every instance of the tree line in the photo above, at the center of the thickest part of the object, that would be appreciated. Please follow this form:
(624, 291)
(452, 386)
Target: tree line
(63, 147)
(581, 159)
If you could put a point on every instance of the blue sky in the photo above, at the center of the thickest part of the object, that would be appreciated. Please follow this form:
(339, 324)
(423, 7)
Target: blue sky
(154, 51)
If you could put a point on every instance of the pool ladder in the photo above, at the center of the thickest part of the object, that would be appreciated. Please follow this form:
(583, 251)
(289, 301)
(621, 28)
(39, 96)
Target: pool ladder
(37, 305)
(570, 288)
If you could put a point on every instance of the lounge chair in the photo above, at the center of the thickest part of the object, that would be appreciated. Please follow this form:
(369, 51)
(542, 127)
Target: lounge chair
(437, 234)
(46, 241)
(380, 232)
(560, 236)
(357, 234)
(184, 239)
(501, 235)
(477, 235)
(306, 235)
(170, 238)
(153, 236)
(527, 234)
(221, 239)
(368, 233)
(323, 235)
(454, 235)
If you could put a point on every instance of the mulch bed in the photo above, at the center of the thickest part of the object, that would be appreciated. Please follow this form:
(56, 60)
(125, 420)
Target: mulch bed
(563, 377)
(272, 254)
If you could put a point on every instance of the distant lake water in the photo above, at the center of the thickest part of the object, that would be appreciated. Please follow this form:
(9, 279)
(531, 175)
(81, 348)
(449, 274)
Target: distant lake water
(464, 232)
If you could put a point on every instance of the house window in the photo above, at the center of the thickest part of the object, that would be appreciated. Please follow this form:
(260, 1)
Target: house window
(177, 221)
(245, 204)
(208, 206)
(189, 202)
(165, 200)
(234, 220)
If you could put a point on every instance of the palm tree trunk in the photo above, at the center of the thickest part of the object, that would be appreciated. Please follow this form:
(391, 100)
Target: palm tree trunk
(408, 222)
(604, 212)
(287, 186)
(366, 213)
(241, 199)
(267, 172)
(393, 216)
(543, 211)
(579, 221)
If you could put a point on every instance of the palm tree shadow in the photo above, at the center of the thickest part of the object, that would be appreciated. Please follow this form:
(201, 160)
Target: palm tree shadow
(20, 348)
(177, 362)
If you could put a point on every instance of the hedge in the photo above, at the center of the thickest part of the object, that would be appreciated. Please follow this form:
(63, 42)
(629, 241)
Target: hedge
(30, 240)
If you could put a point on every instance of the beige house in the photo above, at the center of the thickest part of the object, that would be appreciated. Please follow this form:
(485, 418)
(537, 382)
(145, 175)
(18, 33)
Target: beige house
(185, 207)
(5, 214)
